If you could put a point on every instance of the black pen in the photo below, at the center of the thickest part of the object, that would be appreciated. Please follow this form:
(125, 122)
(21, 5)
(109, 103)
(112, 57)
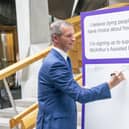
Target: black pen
(112, 74)
(123, 69)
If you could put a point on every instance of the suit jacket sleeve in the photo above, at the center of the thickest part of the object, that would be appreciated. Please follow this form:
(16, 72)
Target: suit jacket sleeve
(63, 80)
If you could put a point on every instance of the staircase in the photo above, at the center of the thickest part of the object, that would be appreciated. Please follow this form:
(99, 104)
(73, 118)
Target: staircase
(7, 113)
(21, 104)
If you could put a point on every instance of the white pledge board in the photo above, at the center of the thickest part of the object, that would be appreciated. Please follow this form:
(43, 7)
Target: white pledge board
(105, 37)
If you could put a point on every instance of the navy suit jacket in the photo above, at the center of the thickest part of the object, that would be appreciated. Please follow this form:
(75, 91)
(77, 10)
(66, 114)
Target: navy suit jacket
(58, 93)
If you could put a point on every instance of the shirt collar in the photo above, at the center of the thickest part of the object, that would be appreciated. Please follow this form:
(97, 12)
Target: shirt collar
(64, 54)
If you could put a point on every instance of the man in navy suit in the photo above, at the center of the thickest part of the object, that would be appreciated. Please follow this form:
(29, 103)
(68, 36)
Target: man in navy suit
(57, 89)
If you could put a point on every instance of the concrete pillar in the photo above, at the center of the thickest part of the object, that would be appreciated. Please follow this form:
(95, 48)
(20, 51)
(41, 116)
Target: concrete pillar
(33, 36)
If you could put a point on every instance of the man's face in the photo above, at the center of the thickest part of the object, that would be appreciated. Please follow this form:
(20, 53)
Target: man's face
(66, 40)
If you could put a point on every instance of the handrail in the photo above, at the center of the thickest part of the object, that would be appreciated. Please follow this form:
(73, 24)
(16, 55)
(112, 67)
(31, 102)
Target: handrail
(73, 19)
(16, 119)
(25, 62)
(22, 64)
(7, 28)
(117, 5)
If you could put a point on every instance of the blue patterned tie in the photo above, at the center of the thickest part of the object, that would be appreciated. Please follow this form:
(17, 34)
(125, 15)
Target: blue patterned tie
(69, 63)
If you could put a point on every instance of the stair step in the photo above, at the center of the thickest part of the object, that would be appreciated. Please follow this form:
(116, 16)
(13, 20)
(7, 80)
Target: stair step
(3, 127)
(9, 112)
(25, 102)
(4, 123)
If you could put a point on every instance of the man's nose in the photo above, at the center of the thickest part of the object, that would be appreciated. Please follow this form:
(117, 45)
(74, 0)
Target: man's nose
(73, 38)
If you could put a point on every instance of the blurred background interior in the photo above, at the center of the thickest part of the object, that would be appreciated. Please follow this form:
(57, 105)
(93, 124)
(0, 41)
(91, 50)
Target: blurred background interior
(9, 46)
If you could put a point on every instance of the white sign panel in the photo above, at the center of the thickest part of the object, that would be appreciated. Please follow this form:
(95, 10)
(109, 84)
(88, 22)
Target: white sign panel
(105, 36)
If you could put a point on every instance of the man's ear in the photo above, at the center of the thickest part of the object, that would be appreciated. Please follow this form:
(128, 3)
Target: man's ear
(55, 38)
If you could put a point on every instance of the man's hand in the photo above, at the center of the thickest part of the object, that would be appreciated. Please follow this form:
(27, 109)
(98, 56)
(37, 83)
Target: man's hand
(117, 77)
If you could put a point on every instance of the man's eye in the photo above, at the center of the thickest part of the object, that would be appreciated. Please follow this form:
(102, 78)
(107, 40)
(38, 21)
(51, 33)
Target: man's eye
(69, 36)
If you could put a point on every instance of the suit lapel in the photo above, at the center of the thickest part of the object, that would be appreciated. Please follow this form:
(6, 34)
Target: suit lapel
(58, 55)
(61, 58)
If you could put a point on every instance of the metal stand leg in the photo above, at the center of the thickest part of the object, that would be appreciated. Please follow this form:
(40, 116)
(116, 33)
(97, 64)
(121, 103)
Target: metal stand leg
(10, 96)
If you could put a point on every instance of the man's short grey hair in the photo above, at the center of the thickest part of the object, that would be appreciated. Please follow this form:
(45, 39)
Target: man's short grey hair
(55, 27)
